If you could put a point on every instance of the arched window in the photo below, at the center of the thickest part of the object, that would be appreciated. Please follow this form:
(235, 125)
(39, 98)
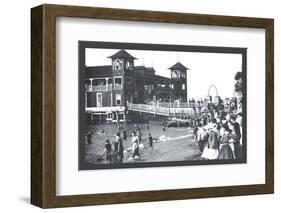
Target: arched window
(175, 74)
(117, 65)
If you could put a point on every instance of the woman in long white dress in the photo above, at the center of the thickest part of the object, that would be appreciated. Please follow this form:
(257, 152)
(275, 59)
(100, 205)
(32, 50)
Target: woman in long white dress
(211, 150)
(135, 146)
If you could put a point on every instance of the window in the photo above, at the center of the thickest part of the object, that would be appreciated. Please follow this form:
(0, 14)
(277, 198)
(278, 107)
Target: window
(86, 100)
(128, 65)
(174, 74)
(121, 116)
(99, 82)
(172, 86)
(99, 99)
(183, 86)
(118, 99)
(117, 64)
(118, 81)
(87, 82)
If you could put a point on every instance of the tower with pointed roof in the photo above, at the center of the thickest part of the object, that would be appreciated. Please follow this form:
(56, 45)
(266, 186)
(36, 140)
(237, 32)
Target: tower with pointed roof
(122, 77)
(179, 81)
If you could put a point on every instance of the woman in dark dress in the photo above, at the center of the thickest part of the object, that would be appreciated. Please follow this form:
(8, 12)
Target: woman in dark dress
(118, 149)
(225, 151)
(89, 138)
(234, 126)
(124, 133)
(150, 140)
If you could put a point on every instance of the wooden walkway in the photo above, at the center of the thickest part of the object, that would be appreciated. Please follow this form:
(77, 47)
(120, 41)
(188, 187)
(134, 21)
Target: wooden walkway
(160, 110)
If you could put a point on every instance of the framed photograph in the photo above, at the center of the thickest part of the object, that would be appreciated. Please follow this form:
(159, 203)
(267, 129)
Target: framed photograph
(164, 113)
(136, 106)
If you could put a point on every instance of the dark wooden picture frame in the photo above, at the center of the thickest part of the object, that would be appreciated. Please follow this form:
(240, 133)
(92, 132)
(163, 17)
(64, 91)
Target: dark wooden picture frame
(43, 105)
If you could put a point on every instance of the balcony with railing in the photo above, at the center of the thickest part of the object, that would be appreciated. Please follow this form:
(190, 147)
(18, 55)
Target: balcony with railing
(103, 88)
(98, 88)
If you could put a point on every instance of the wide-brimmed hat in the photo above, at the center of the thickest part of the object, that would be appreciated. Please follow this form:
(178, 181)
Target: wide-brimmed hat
(118, 134)
(213, 127)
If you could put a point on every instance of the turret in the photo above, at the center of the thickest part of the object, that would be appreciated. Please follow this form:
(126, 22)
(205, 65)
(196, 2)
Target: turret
(179, 81)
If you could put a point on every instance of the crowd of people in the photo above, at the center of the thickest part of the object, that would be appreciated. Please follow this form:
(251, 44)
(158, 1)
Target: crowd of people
(116, 155)
(219, 137)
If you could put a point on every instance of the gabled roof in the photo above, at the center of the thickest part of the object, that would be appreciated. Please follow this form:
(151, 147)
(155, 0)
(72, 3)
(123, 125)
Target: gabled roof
(151, 77)
(122, 54)
(178, 66)
(144, 70)
(98, 71)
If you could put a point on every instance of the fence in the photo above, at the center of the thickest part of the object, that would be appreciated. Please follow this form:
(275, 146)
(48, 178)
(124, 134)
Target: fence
(160, 110)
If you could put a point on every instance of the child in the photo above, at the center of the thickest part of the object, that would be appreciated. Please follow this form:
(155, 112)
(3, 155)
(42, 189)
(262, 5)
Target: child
(107, 150)
(124, 133)
(150, 140)
(89, 138)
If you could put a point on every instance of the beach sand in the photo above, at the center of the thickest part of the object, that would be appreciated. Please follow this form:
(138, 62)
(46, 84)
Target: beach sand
(174, 144)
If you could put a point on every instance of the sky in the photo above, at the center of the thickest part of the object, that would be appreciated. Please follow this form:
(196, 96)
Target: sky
(205, 69)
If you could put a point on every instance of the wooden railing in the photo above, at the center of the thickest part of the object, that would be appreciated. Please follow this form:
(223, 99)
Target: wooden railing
(161, 110)
(98, 88)
(175, 104)
(102, 88)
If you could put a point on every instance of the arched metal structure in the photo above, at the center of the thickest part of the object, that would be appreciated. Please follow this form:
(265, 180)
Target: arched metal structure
(213, 86)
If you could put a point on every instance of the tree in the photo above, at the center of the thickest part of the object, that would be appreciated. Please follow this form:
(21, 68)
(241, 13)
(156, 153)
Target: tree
(238, 83)
(238, 86)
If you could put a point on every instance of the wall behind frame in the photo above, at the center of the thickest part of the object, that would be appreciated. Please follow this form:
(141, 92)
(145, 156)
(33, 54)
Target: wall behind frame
(15, 104)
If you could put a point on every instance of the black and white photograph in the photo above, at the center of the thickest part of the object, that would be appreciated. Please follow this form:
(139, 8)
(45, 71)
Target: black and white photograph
(147, 105)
